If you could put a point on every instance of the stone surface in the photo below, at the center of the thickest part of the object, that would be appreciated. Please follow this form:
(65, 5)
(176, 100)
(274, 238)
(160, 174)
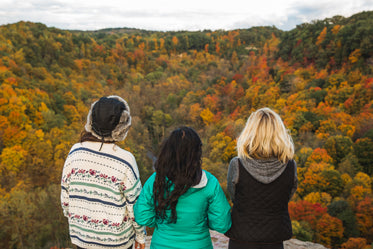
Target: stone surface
(298, 244)
(221, 242)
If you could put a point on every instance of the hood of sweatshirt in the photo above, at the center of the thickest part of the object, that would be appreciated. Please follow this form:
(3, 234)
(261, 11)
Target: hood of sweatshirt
(264, 170)
(203, 182)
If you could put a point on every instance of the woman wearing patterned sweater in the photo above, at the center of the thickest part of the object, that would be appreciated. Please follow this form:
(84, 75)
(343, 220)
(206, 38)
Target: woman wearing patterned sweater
(100, 181)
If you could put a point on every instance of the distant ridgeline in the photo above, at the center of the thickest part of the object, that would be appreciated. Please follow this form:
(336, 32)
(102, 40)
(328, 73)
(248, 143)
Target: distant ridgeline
(318, 76)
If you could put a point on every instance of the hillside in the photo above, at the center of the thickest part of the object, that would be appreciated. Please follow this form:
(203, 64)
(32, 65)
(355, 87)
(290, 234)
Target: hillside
(318, 77)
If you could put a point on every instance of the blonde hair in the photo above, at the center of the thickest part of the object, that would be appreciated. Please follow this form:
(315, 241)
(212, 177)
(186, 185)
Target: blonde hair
(265, 136)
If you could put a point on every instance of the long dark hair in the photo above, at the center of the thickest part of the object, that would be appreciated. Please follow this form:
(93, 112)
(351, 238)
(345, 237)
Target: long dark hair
(178, 168)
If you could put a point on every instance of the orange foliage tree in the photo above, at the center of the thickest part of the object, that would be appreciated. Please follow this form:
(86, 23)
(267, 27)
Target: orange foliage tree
(355, 243)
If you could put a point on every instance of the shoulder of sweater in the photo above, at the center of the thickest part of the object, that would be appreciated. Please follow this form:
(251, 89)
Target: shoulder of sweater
(125, 153)
(234, 162)
(110, 149)
(75, 146)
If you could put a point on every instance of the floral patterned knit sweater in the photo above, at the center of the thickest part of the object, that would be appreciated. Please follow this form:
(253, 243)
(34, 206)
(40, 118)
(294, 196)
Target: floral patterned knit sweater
(99, 189)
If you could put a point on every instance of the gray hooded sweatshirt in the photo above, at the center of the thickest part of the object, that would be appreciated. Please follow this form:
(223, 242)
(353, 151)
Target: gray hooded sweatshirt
(263, 170)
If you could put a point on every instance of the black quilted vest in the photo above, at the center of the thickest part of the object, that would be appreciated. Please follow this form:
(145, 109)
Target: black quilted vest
(260, 211)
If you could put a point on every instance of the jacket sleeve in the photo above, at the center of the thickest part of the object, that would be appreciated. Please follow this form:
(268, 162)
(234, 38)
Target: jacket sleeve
(144, 207)
(232, 177)
(295, 185)
(131, 193)
(218, 214)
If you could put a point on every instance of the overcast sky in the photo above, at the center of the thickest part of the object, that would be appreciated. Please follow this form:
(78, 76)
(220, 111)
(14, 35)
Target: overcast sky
(166, 15)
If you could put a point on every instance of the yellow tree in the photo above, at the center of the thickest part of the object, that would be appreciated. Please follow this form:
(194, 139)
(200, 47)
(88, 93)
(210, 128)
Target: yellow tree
(12, 162)
(359, 187)
(207, 116)
(221, 147)
(316, 197)
(12, 159)
(354, 56)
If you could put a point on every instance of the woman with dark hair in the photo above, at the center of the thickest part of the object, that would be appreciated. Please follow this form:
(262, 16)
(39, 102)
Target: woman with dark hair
(100, 181)
(181, 200)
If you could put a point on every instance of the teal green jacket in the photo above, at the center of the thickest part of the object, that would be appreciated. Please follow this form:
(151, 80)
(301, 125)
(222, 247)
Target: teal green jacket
(201, 208)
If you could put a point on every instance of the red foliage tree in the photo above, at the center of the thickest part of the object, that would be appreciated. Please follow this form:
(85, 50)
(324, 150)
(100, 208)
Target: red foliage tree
(306, 211)
(364, 214)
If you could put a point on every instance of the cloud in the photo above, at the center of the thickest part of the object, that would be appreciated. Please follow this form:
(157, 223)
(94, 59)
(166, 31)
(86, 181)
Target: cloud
(310, 10)
(166, 15)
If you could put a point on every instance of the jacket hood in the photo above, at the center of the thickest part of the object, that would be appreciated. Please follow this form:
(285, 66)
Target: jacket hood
(264, 170)
(203, 182)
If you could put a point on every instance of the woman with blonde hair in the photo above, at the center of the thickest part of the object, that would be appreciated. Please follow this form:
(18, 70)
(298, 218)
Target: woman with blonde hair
(261, 181)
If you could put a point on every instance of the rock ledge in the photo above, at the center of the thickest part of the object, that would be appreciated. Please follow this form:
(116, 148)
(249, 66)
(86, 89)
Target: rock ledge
(221, 242)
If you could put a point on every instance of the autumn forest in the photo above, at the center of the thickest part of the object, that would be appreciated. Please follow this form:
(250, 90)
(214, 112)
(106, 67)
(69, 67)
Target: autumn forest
(318, 77)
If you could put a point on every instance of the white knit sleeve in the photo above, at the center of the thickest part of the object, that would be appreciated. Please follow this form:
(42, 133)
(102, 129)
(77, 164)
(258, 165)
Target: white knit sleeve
(65, 187)
(132, 191)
